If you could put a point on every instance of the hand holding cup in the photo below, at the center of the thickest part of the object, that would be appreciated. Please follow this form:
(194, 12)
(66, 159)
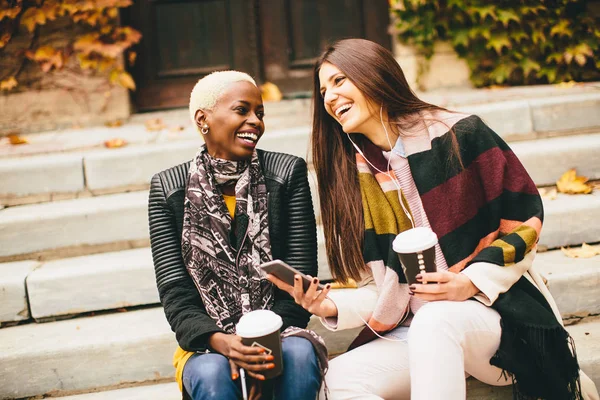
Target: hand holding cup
(253, 359)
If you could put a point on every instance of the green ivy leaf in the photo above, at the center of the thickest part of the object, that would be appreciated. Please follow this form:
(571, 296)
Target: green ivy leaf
(538, 36)
(528, 65)
(498, 42)
(579, 53)
(555, 57)
(549, 73)
(461, 38)
(561, 29)
(484, 12)
(480, 31)
(518, 36)
(502, 72)
(531, 9)
(505, 16)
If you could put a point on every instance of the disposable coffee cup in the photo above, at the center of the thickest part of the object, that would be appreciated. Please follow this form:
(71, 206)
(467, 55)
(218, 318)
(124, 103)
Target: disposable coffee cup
(416, 250)
(261, 328)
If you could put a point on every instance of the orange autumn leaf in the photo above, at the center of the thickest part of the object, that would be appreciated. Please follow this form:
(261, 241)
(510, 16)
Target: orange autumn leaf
(270, 92)
(585, 251)
(115, 143)
(33, 17)
(48, 57)
(154, 124)
(11, 12)
(177, 128)
(570, 183)
(8, 83)
(4, 39)
(125, 80)
(15, 139)
(131, 58)
(114, 124)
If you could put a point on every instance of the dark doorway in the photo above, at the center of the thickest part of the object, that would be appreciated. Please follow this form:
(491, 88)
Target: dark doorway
(272, 40)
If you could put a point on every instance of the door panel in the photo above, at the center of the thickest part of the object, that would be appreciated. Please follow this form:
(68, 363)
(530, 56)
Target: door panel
(274, 40)
(295, 32)
(184, 40)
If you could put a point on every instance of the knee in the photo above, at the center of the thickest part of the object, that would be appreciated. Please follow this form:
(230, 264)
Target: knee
(298, 352)
(433, 318)
(206, 373)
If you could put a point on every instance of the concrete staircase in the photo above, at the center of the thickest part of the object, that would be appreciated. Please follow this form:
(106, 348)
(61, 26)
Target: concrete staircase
(74, 241)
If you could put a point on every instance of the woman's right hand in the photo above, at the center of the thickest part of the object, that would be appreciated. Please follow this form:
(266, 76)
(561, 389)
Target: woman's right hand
(314, 301)
(252, 359)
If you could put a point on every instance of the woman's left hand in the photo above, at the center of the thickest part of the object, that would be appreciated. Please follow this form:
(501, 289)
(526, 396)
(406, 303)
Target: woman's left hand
(443, 285)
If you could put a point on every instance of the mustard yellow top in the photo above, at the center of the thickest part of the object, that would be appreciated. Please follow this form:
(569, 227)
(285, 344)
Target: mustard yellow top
(181, 356)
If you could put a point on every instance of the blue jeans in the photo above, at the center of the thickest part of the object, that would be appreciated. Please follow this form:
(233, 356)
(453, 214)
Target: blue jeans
(208, 376)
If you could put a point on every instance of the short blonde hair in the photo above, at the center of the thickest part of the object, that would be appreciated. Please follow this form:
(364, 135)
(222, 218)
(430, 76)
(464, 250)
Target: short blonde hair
(207, 90)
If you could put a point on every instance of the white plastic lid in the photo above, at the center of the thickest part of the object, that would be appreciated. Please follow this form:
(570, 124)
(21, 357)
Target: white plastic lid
(258, 323)
(413, 240)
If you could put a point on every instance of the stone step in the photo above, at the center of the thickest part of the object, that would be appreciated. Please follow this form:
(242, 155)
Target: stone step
(85, 353)
(161, 391)
(547, 159)
(571, 220)
(169, 391)
(71, 223)
(126, 278)
(89, 168)
(126, 348)
(120, 218)
(92, 283)
(107, 171)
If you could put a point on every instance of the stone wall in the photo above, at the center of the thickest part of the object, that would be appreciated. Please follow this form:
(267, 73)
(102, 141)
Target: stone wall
(443, 71)
(58, 99)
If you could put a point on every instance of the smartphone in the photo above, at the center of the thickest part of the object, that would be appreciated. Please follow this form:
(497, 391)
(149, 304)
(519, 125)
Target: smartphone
(281, 270)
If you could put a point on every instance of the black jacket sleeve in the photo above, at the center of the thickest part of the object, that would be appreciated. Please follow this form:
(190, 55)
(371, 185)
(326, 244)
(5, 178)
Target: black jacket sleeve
(301, 242)
(182, 303)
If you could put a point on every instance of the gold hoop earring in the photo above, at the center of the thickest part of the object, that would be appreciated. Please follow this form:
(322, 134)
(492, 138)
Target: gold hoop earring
(204, 129)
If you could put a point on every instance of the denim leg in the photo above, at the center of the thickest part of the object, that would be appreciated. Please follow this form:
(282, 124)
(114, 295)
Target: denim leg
(208, 377)
(301, 376)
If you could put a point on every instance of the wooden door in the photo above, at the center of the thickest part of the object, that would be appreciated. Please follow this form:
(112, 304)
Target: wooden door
(295, 32)
(184, 40)
(272, 40)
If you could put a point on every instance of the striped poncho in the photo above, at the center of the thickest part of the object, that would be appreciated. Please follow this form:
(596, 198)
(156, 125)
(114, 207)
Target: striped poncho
(483, 207)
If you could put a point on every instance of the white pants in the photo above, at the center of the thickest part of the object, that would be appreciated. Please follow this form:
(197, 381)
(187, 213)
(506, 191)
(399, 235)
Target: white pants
(447, 342)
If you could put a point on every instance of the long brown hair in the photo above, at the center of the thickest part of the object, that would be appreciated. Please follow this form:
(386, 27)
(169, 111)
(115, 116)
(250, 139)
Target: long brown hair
(374, 71)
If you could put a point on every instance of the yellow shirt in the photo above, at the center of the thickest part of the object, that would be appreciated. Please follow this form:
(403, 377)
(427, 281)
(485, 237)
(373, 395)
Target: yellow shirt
(181, 356)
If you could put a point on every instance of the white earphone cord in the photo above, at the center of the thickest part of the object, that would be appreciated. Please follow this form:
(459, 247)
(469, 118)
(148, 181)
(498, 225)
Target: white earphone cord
(393, 178)
(395, 181)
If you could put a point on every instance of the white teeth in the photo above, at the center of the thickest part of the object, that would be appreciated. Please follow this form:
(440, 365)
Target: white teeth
(343, 108)
(248, 135)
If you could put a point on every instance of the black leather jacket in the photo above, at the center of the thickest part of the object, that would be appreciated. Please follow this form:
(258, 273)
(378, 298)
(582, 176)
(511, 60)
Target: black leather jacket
(292, 231)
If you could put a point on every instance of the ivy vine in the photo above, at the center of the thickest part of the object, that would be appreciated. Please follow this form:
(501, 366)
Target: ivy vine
(509, 42)
(97, 47)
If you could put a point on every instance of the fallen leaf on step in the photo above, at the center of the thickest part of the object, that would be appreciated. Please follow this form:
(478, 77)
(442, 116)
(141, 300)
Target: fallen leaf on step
(115, 143)
(566, 85)
(570, 183)
(114, 124)
(548, 193)
(154, 124)
(16, 139)
(177, 128)
(270, 92)
(585, 251)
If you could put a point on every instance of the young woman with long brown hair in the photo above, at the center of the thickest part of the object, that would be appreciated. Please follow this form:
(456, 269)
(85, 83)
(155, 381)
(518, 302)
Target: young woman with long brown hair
(387, 162)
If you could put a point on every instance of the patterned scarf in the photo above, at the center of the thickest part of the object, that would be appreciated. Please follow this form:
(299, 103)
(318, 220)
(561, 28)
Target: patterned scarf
(498, 223)
(227, 274)
(225, 269)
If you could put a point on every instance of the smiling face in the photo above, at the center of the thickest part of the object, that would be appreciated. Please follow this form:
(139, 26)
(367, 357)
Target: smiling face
(235, 122)
(344, 101)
